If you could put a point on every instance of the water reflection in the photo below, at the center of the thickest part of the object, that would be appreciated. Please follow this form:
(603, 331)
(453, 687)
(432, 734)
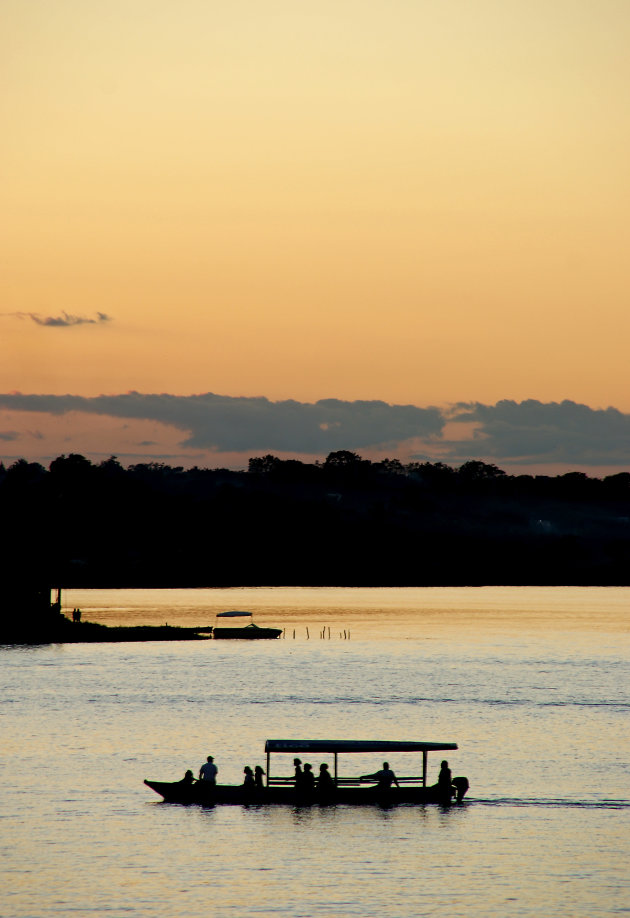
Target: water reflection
(532, 685)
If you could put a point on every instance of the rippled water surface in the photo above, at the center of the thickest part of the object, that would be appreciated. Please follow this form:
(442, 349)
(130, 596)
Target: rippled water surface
(533, 684)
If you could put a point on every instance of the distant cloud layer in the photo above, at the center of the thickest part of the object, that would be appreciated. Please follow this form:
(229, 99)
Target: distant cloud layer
(552, 432)
(528, 432)
(227, 424)
(65, 320)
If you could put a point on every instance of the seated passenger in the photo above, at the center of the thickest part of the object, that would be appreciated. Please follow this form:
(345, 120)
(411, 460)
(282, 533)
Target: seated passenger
(258, 777)
(384, 778)
(325, 783)
(188, 778)
(445, 781)
(248, 781)
(308, 779)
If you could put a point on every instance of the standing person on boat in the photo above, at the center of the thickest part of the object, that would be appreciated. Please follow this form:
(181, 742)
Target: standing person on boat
(208, 771)
(385, 778)
(298, 772)
(258, 777)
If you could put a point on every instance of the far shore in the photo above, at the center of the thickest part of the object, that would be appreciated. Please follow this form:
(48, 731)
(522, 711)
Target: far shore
(61, 630)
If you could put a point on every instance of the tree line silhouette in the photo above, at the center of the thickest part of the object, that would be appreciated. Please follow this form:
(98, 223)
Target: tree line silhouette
(343, 521)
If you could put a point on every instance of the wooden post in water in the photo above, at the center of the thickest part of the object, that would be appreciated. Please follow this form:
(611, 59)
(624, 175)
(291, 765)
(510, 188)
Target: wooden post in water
(307, 635)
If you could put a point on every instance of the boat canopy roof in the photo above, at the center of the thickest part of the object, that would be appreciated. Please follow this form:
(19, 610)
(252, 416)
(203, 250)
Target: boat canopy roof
(234, 614)
(321, 745)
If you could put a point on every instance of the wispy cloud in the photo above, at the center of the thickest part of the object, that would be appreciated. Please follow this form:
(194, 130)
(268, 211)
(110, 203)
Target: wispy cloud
(9, 435)
(65, 320)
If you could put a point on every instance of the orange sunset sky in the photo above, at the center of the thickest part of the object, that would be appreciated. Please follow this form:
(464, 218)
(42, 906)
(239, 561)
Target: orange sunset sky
(407, 202)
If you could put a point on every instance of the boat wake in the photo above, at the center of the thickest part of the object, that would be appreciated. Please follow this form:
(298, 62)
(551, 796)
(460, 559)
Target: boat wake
(551, 803)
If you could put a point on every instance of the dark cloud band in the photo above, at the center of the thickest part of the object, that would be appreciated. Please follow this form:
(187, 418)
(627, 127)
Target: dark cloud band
(509, 432)
(228, 424)
(550, 432)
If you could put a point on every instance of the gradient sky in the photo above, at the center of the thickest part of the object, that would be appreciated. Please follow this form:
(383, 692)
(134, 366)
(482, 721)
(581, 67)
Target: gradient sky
(423, 203)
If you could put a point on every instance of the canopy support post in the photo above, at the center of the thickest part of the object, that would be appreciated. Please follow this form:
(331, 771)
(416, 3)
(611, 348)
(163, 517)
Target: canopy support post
(268, 760)
(424, 768)
(335, 754)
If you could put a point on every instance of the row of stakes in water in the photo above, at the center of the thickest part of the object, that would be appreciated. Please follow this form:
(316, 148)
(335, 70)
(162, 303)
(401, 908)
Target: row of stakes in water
(344, 635)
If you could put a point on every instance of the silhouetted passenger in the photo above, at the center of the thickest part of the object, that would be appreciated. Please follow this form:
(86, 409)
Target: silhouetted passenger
(76, 615)
(325, 784)
(445, 781)
(188, 778)
(298, 771)
(248, 781)
(208, 771)
(258, 777)
(308, 779)
(384, 778)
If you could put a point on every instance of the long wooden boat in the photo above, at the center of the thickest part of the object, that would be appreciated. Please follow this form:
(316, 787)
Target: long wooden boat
(358, 790)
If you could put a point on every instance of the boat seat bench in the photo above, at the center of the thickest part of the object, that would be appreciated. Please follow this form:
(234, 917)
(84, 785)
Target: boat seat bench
(406, 780)
(347, 782)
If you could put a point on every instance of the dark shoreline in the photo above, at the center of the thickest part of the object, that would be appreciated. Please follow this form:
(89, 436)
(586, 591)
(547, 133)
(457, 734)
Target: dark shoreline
(344, 522)
(65, 631)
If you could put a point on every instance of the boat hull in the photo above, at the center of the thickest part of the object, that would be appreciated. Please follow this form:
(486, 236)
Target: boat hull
(249, 633)
(211, 795)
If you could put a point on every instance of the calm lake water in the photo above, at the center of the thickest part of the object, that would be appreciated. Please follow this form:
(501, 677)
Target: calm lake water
(533, 684)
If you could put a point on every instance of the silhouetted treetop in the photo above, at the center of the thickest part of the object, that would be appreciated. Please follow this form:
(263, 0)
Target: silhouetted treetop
(263, 465)
(474, 470)
(344, 459)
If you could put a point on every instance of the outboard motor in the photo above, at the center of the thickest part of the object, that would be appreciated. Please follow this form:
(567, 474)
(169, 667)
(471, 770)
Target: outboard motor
(461, 785)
